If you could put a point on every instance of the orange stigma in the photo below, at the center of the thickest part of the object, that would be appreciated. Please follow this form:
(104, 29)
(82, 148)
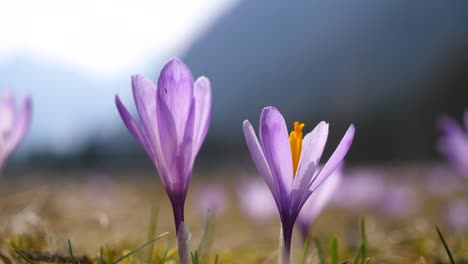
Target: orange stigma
(295, 140)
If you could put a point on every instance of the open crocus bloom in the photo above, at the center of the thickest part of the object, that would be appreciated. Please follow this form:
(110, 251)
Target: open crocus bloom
(453, 143)
(318, 201)
(14, 124)
(289, 163)
(174, 115)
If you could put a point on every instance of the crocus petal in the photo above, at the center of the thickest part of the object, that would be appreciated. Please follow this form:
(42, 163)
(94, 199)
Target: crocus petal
(13, 130)
(453, 143)
(175, 90)
(23, 122)
(258, 158)
(202, 95)
(132, 125)
(184, 158)
(335, 160)
(7, 113)
(312, 149)
(276, 147)
(168, 143)
(144, 94)
(319, 199)
(449, 127)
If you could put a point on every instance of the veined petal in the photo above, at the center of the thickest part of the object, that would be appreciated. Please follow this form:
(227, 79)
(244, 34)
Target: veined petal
(335, 160)
(258, 158)
(132, 125)
(274, 140)
(175, 91)
(185, 158)
(312, 149)
(169, 144)
(202, 95)
(144, 94)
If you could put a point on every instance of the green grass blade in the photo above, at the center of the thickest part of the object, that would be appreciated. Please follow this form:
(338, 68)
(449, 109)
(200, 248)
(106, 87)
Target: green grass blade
(304, 251)
(152, 231)
(163, 257)
(452, 260)
(21, 254)
(108, 254)
(358, 255)
(334, 250)
(363, 239)
(140, 247)
(70, 250)
(194, 257)
(320, 251)
(24, 257)
(101, 256)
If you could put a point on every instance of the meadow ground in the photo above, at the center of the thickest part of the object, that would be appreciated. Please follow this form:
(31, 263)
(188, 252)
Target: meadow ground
(111, 214)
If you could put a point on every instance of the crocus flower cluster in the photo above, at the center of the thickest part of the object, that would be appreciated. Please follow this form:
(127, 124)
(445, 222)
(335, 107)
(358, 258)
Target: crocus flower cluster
(453, 142)
(175, 115)
(289, 163)
(14, 124)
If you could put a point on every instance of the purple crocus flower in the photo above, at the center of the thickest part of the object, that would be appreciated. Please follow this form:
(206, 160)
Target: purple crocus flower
(174, 115)
(211, 197)
(456, 215)
(317, 202)
(14, 124)
(256, 200)
(362, 187)
(288, 164)
(453, 143)
(399, 201)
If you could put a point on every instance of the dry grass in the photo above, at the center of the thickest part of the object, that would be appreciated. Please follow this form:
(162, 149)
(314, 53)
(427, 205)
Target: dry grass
(40, 214)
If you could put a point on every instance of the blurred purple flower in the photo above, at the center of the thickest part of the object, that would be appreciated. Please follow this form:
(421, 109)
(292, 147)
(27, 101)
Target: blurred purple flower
(317, 202)
(14, 124)
(211, 197)
(256, 200)
(100, 189)
(441, 181)
(174, 115)
(289, 165)
(363, 187)
(457, 215)
(453, 143)
(399, 201)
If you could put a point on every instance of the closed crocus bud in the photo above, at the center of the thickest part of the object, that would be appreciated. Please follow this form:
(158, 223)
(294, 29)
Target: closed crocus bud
(175, 116)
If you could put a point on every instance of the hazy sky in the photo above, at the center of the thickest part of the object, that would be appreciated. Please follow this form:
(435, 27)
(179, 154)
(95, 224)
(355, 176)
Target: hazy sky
(72, 57)
(103, 37)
